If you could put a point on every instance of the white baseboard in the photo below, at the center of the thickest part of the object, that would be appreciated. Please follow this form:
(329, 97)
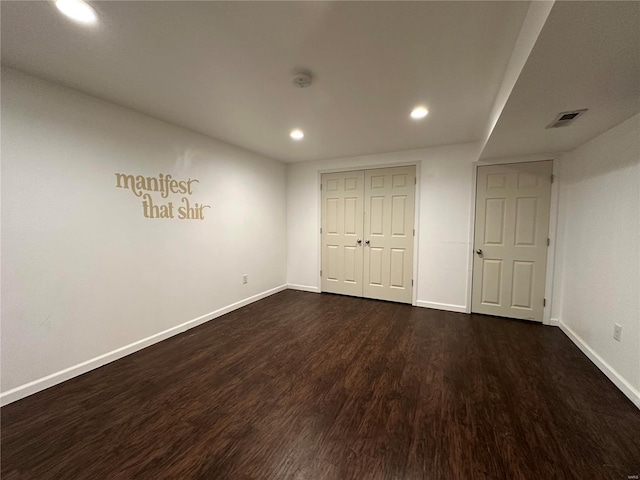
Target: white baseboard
(303, 288)
(599, 362)
(68, 373)
(442, 306)
(554, 322)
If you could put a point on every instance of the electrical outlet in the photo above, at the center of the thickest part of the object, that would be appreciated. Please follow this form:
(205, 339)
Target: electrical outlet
(617, 332)
(245, 278)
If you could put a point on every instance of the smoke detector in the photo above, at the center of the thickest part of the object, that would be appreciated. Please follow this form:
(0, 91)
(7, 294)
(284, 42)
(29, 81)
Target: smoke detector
(565, 118)
(301, 79)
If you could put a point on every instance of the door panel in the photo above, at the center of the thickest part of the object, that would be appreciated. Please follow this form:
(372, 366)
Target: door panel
(398, 225)
(522, 288)
(511, 229)
(342, 226)
(332, 215)
(494, 221)
(496, 180)
(375, 266)
(350, 261)
(376, 216)
(397, 268)
(331, 270)
(526, 215)
(491, 282)
(388, 227)
(350, 214)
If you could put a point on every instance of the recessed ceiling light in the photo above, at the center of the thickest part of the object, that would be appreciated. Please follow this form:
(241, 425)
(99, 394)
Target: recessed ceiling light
(297, 134)
(419, 112)
(77, 10)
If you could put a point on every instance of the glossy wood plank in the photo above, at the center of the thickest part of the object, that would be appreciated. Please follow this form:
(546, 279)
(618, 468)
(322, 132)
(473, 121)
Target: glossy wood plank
(327, 387)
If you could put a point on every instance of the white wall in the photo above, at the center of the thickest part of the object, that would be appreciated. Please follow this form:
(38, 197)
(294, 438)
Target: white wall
(83, 272)
(444, 220)
(597, 274)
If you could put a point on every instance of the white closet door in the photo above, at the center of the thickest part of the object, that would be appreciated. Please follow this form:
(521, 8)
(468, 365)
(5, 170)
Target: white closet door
(342, 197)
(389, 199)
(511, 230)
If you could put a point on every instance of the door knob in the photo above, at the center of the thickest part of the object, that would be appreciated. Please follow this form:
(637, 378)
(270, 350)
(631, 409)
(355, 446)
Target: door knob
(367, 242)
(479, 251)
(359, 241)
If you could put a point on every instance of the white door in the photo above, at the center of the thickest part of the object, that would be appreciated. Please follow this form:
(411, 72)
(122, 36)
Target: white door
(388, 232)
(342, 227)
(511, 239)
(367, 233)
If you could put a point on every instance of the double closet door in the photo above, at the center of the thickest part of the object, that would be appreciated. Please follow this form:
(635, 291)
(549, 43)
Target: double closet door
(367, 233)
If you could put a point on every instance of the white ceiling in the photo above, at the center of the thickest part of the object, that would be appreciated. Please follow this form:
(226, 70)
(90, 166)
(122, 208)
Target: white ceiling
(587, 56)
(224, 68)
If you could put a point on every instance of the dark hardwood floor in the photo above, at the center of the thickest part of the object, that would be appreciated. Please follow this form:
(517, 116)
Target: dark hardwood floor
(319, 387)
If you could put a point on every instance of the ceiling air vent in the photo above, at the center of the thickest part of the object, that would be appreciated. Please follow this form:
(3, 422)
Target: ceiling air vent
(565, 118)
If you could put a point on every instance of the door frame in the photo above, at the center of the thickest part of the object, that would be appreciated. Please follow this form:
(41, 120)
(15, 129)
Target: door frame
(416, 216)
(553, 226)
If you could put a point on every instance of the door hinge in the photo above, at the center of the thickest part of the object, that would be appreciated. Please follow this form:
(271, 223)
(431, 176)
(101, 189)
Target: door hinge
(414, 232)
(320, 272)
(551, 178)
(412, 282)
(415, 180)
(548, 242)
(544, 302)
(320, 230)
(320, 186)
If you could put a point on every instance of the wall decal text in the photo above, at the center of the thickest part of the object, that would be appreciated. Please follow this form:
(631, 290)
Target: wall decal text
(164, 184)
